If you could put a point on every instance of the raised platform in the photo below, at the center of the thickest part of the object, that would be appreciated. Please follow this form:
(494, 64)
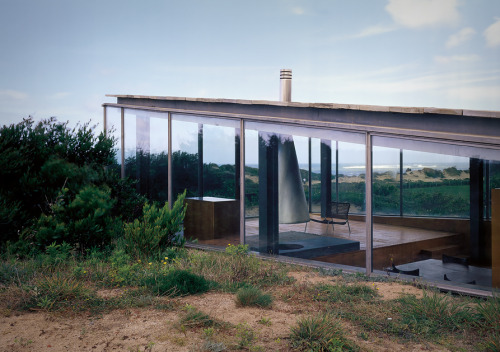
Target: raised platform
(306, 245)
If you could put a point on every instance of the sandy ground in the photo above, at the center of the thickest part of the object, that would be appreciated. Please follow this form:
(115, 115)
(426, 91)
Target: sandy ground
(158, 330)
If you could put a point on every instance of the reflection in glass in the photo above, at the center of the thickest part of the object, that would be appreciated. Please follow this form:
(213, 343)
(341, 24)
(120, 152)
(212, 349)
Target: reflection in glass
(435, 184)
(219, 168)
(113, 130)
(351, 176)
(184, 158)
(146, 152)
(386, 181)
(315, 176)
(251, 174)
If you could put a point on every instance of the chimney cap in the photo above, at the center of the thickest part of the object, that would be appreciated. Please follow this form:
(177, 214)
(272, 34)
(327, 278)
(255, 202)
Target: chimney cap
(286, 73)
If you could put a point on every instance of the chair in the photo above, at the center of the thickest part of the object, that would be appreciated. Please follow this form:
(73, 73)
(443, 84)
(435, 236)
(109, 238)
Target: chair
(339, 215)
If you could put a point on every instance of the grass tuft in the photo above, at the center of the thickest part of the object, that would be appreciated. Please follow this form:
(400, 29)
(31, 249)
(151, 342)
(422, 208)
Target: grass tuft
(177, 283)
(319, 333)
(252, 296)
(435, 313)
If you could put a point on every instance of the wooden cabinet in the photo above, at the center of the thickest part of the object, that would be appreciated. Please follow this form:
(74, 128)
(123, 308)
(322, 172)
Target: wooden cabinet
(210, 217)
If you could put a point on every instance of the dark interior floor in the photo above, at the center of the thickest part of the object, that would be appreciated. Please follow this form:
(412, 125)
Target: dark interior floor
(435, 269)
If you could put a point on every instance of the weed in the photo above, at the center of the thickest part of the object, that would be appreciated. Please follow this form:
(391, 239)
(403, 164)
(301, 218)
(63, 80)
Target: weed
(343, 293)
(319, 333)
(23, 342)
(252, 296)
(240, 249)
(265, 321)
(245, 335)
(213, 346)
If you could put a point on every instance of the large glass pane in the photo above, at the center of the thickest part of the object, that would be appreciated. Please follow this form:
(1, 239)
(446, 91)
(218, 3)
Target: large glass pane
(219, 168)
(283, 223)
(146, 152)
(205, 163)
(442, 234)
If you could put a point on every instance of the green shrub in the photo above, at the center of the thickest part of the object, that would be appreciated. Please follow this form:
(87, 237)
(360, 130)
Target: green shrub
(84, 222)
(56, 254)
(319, 333)
(157, 230)
(252, 296)
(176, 283)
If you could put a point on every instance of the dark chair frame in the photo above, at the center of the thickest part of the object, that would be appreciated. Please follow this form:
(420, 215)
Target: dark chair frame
(339, 215)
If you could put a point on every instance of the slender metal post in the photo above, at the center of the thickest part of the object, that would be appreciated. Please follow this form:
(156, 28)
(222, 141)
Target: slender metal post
(200, 160)
(169, 171)
(401, 182)
(337, 171)
(369, 215)
(309, 200)
(105, 122)
(242, 181)
(326, 177)
(122, 141)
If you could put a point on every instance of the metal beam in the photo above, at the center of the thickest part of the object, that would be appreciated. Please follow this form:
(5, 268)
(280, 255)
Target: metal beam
(368, 206)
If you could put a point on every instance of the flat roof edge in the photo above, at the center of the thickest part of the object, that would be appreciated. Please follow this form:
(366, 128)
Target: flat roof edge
(332, 106)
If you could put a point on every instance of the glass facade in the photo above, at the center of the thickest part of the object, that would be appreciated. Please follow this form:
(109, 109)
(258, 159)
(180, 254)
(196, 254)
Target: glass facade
(306, 190)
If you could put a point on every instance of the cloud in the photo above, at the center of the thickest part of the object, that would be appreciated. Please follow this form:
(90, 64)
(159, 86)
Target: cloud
(298, 11)
(374, 30)
(492, 34)
(461, 37)
(456, 58)
(8, 94)
(60, 95)
(423, 13)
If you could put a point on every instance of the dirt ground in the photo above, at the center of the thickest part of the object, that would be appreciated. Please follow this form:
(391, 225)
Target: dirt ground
(148, 329)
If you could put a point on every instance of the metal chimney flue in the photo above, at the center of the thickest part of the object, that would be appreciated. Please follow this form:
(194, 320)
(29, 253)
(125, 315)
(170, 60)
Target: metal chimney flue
(286, 85)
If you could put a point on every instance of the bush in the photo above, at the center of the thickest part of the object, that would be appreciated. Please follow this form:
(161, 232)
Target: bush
(85, 222)
(177, 283)
(252, 296)
(150, 236)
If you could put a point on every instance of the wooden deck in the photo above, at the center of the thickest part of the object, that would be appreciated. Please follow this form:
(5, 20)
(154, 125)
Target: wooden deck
(383, 235)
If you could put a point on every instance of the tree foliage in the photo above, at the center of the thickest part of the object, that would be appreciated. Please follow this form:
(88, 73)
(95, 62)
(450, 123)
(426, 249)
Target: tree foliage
(54, 185)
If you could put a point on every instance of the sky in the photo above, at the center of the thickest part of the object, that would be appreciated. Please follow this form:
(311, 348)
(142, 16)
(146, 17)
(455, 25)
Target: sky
(60, 58)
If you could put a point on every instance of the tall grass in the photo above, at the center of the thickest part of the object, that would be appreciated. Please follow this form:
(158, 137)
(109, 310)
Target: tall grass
(435, 313)
(320, 333)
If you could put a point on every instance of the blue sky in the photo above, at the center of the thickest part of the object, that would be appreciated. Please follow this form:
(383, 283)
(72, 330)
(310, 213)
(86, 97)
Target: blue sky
(60, 58)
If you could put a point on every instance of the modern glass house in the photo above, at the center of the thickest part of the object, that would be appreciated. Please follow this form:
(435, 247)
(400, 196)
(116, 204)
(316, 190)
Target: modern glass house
(279, 175)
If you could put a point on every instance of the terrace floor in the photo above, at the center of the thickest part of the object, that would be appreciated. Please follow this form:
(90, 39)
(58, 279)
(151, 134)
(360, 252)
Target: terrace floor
(383, 235)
